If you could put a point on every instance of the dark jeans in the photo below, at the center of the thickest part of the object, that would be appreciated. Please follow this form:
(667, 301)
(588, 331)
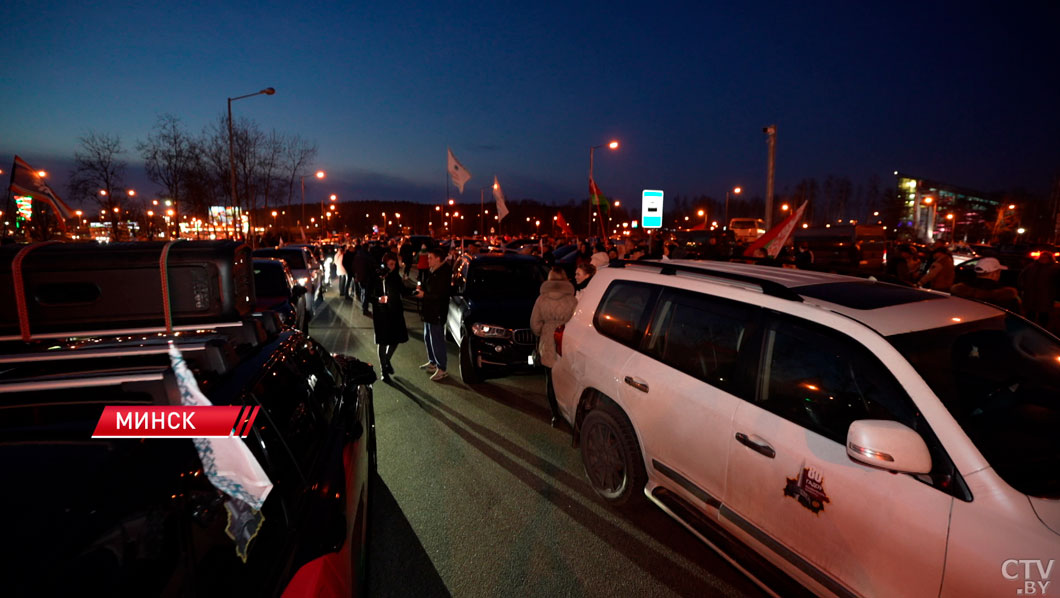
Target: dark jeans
(434, 338)
(386, 353)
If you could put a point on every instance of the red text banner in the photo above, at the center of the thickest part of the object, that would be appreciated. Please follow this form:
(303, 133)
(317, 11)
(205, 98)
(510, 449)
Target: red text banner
(175, 422)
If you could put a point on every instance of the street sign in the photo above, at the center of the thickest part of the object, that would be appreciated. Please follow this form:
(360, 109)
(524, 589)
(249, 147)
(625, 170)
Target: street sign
(651, 211)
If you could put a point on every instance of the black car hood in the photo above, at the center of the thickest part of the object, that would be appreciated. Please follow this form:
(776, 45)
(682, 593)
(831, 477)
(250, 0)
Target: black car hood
(510, 312)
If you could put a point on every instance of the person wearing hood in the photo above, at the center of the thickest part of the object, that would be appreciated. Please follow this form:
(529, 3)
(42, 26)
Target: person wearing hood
(940, 273)
(554, 307)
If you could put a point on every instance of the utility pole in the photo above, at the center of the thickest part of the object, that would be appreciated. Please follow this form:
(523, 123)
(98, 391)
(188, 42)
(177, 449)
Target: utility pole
(771, 132)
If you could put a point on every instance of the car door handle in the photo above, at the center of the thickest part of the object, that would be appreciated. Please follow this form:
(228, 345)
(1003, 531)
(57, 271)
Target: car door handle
(641, 386)
(761, 446)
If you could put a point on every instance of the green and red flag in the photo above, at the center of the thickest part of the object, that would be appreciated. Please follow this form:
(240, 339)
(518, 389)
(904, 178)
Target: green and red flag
(596, 197)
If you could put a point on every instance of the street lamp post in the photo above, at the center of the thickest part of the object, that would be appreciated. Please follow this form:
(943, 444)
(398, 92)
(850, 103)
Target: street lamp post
(320, 174)
(231, 152)
(612, 145)
(735, 191)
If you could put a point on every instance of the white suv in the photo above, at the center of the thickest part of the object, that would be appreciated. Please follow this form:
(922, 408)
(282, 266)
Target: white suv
(862, 439)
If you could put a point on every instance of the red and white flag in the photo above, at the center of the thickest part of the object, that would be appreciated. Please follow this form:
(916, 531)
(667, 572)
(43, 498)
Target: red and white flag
(498, 194)
(456, 170)
(777, 237)
(561, 222)
(25, 181)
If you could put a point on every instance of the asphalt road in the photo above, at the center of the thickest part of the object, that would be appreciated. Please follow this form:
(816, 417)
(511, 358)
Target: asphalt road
(478, 496)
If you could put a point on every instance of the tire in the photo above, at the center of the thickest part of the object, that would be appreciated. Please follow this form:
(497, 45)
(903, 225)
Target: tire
(470, 372)
(611, 456)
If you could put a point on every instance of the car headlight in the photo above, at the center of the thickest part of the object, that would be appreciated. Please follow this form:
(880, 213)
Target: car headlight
(302, 280)
(490, 331)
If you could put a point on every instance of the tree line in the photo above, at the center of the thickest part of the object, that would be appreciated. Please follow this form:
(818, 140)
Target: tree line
(193, 170)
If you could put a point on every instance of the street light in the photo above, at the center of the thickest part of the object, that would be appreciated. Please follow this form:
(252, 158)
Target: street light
(613, 145)
(231, 153)
(735, 191)
(320, 174)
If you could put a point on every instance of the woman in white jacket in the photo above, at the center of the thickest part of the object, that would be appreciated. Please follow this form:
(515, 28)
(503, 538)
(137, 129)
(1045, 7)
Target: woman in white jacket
(554, 307)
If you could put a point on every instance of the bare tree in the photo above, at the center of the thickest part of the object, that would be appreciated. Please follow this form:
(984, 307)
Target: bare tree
(99, 174)
(297, 154)
(168, 157)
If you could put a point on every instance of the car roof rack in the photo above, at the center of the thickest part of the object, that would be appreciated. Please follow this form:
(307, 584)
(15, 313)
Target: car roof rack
(769, 287)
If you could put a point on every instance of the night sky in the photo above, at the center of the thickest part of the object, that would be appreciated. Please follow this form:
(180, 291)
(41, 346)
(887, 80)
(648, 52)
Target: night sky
(966, 93)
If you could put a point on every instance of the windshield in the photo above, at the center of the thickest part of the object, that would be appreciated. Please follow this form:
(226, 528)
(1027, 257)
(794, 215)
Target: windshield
(505, 279)
(1000, 379)
(743, 224)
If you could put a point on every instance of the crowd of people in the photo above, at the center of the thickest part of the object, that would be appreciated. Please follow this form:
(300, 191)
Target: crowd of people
(377, 276)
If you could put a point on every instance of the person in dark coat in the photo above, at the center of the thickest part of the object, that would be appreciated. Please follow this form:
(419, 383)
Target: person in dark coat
(434, 295)
(388, 318)
(1039, 286)
(348, 265)
(408, 256)
(362, 275)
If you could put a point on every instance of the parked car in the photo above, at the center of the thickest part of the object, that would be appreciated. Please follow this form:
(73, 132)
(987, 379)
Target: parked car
(860, 246)
(489, 312)
(830, 434)
(302, 264)
(276, 290)
(133, 517)
(747, 230)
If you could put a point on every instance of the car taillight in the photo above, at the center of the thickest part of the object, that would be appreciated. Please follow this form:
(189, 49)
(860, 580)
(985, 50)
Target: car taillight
(1036, 254)
(558, 337)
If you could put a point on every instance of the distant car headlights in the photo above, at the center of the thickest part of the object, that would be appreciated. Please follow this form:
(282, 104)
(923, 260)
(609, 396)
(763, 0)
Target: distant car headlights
(302, 280)
(490, 331)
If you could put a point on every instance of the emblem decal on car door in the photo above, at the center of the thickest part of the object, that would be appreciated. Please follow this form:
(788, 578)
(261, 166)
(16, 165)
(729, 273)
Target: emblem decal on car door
(808, 489)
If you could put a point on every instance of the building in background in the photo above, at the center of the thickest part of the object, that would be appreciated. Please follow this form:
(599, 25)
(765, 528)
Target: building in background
(933, 211)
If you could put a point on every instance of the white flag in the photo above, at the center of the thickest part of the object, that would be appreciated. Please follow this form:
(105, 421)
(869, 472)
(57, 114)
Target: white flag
(227, 462)
(498, 194)
(457, 171)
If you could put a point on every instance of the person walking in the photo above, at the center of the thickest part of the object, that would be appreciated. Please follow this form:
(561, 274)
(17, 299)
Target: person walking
(434, 295)
(362, 275)
(348, 263)
(408, 255)
(987, 286)
(388, 317)
(554, 307)
(940, 273)
(340, 269)
(1039, 285)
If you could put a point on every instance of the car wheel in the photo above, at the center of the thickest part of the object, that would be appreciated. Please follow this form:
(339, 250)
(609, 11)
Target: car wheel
(470, 372)
(611, 456)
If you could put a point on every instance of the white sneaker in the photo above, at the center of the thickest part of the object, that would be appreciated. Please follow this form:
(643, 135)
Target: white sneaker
(439, 376)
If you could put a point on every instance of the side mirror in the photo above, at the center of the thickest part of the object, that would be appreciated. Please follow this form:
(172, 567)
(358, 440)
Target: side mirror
(298, 291)
(888, 445)
(357, 371)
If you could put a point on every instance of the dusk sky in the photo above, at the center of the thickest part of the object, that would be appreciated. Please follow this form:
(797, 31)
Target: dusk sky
(966, 93)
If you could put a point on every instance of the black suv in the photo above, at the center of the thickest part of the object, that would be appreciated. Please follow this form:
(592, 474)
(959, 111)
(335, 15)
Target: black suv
(134, 517)
(489, 313)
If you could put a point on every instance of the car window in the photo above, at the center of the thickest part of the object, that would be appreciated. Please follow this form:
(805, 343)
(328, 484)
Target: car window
(1000, 379)
(269, 281)
(700, 336)
(624, 310)
(823, 381)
